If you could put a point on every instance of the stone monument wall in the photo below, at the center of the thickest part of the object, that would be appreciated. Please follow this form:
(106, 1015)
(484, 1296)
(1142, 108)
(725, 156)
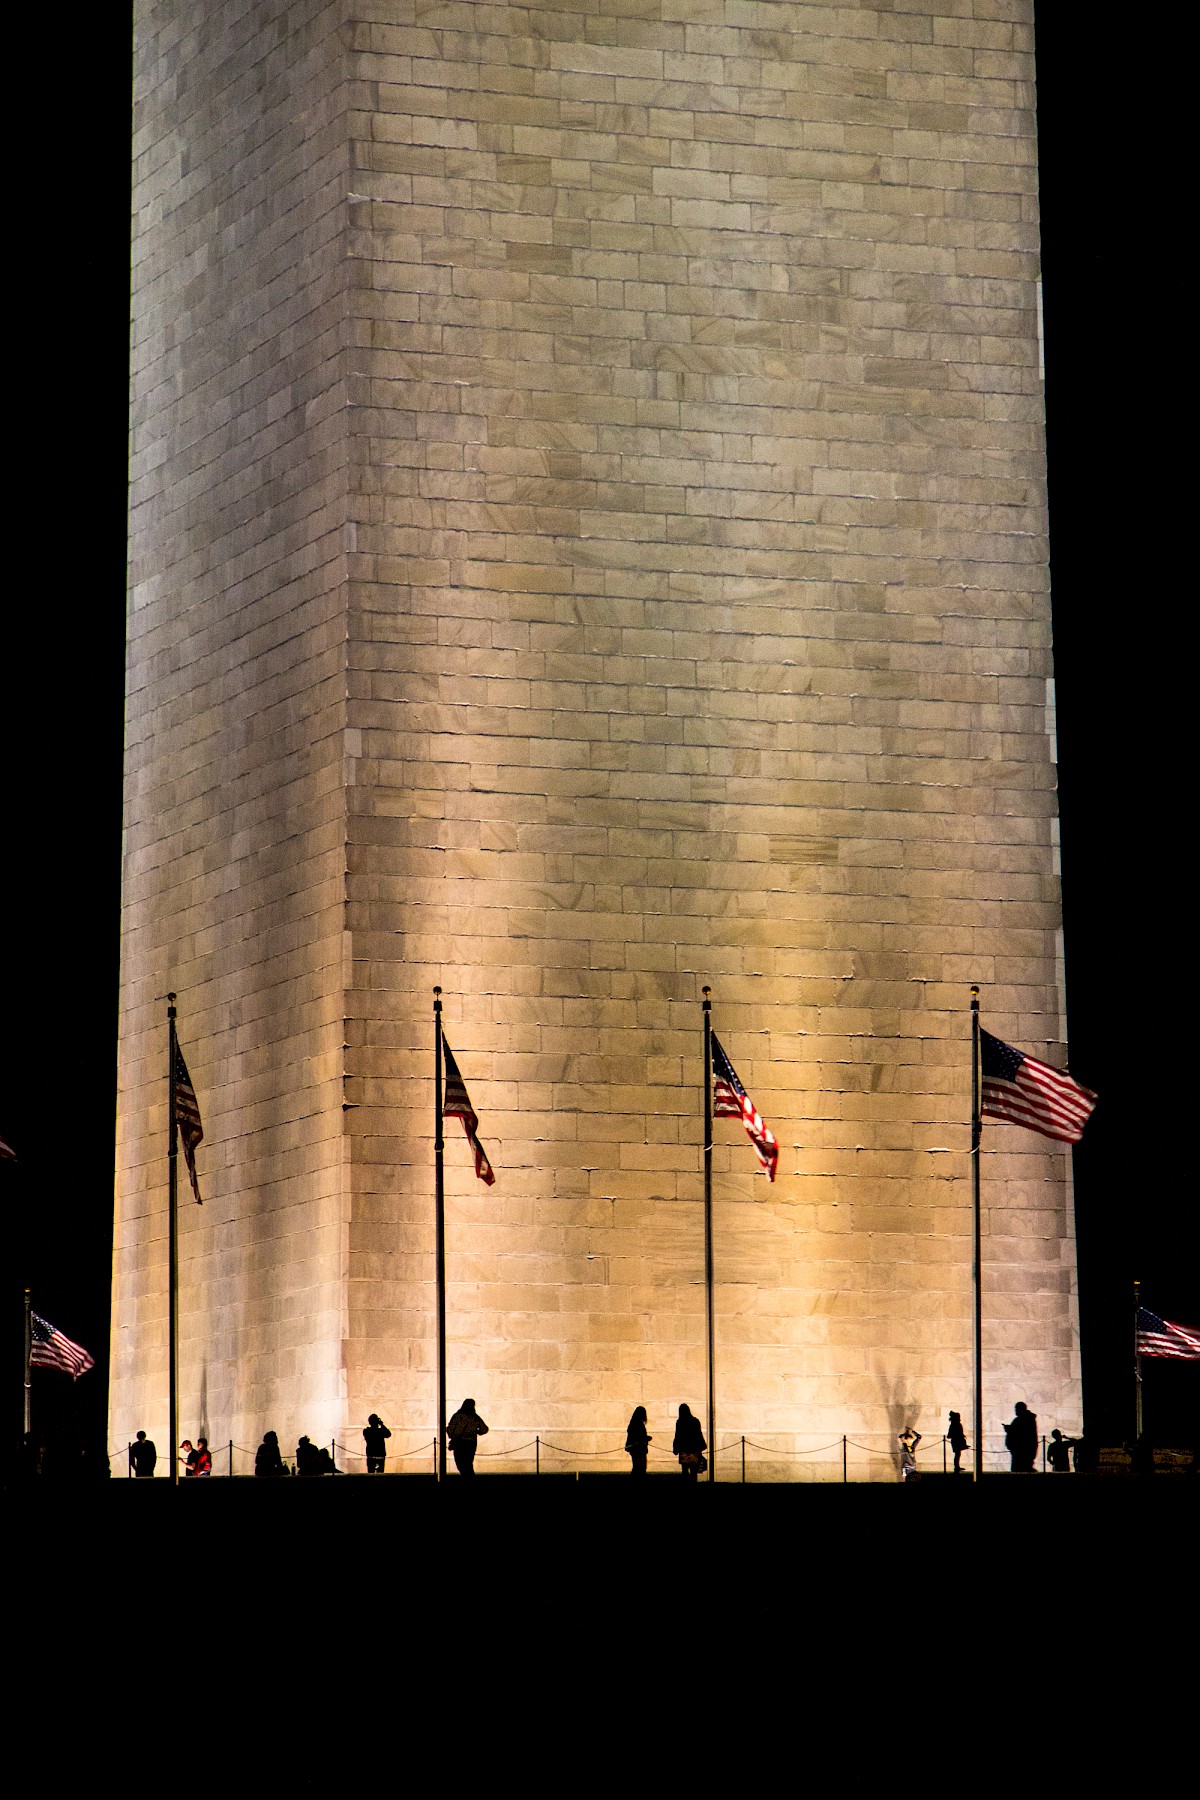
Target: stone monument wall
(589, 542)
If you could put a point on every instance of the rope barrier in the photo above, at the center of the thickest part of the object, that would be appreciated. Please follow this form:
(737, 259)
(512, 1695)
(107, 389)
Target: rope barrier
(513, 1452)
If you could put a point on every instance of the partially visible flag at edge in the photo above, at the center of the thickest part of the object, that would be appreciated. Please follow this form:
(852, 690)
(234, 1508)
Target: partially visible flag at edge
(7, 1154)
(187, 1117)
(731, 1101)
(1158, 1337)
(456, 1104)
(1023, 1091)
(49, 1349)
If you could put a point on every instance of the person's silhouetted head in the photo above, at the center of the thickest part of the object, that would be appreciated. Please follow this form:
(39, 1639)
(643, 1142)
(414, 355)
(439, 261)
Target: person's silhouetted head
(685, 1411)
(954, 1418)
(141, 1437)
(373, 1419)
(468, 1406)
(1056, 1433)
(202, 1443)
(1020, 1407)
(638, 1417)
(187, 1444)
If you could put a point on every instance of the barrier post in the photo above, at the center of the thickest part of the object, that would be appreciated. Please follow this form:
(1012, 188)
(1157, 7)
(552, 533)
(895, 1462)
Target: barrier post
(537, 1455)
(943, 1453)
(435, 1469)
(231, 1456)
(333, 1454)
(1043, 1453)
(843, 1459)
(743, 1456)
(129, 1459)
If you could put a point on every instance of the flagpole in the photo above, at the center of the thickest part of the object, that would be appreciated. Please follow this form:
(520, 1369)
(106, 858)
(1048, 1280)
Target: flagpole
(439, 1231)
(1137, 1361)
(173, 1242)
(977, 1263)
(28, 1362)
(708, 1237)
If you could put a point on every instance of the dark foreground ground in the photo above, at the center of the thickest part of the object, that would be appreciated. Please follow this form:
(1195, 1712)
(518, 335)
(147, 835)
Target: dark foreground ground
(601, 1635)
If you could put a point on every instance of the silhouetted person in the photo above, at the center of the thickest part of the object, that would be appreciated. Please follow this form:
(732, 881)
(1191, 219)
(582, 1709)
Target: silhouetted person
(376, 1435)
(308, 1458)
(464, 1431)
(1021, 1438)
(1084, 1460)
(956, 1437)
(1141, 1455)
(142, 1457)
(192, 1458)
(1058, 1452)
(637, 1441)
(689, 1445)
(203, 1458)
(267, 1460)
(909, 1439)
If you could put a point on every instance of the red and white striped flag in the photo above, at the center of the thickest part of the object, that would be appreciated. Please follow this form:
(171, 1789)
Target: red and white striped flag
(1026, 1092)
(1158, 1337)
(456, 1104)
(731, 1101)
(49, 1349)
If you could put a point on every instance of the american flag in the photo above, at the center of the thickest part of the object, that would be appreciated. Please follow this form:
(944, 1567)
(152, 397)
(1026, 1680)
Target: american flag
(1158, 1337)
(6, 1154)
(49, 1349)
(731, 1101)
(456, 1105)
(1026, 1092)
(187, 1117)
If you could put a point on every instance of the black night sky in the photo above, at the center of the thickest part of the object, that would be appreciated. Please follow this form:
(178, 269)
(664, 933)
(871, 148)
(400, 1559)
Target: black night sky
(1115, 249)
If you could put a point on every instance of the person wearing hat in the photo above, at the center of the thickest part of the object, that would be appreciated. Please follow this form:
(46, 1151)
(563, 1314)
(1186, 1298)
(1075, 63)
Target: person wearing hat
(376, 1435)
(191, 1460)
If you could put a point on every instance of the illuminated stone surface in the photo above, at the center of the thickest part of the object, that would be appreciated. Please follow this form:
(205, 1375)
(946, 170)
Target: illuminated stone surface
(587, 540)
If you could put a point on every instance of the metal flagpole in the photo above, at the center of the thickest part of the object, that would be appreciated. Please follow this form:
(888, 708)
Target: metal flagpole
(1137, 1361)
(708, 1236)
(439, 1232)
(28, 1362)
(977, 1266)
(173, 1241)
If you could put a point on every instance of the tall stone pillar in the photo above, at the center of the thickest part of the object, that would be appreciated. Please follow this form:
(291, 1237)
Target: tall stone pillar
(588, 541)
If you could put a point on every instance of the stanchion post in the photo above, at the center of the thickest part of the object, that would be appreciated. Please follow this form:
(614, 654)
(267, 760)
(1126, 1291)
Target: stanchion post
(231, 1458)
(844, 1474)
(129, 1459)
(743, 1456)
(537, 1455)
(333, 1453)
(943, 1453)
(1043, 1453)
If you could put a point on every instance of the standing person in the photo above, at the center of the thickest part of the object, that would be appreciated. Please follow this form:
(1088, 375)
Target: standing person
(689, 1445)
(376, 1434)
(203, 1459)
(464, 1431)
(637, 1441)
(142, 1457)
(956, 1437)
(1021, 1438)
(1058, 1452)
(190, 1460)
(267, 1460)
(909, 1439)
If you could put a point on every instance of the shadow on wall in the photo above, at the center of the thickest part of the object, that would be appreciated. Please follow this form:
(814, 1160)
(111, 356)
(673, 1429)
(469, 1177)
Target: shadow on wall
(901, 1411)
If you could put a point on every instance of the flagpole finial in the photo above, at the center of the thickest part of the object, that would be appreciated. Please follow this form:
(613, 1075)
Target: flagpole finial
(707, 1002)
(437, 1002)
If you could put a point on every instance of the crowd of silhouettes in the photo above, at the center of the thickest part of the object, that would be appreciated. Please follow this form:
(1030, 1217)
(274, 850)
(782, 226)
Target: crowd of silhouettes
(466, 1427)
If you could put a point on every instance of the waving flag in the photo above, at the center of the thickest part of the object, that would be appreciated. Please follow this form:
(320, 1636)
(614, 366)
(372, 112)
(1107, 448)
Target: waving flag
(187, 1117)
(456, 1104)
(49, 1349)
(1158, 1337)
(1026, 1092)
(731, 1101)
